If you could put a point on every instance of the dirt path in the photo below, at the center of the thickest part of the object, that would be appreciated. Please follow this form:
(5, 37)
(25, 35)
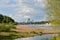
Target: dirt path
(30, 29)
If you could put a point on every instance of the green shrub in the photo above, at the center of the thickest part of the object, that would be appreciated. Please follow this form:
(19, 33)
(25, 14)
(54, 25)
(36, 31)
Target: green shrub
(34, 32)
(6, 27)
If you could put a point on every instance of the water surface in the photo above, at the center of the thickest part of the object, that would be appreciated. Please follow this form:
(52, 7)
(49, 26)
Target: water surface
(46, 37)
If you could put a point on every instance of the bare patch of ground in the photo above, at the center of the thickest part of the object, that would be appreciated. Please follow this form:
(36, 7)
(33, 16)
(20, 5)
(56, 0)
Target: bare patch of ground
(30, 29)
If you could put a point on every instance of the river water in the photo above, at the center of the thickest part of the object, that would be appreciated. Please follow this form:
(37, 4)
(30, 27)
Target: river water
(42, 37)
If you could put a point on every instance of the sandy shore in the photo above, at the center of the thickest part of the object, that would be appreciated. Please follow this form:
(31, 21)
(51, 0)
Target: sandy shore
(27, 29)
(30, 29)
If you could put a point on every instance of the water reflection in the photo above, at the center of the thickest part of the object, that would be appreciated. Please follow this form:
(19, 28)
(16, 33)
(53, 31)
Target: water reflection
(42, 37)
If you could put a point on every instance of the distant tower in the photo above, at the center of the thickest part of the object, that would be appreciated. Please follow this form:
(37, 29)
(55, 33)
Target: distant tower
(32, 20)
(28, 20)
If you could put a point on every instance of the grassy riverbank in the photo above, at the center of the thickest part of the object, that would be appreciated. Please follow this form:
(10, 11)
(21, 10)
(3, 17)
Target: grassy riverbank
(55, 37)
(11, 31)
(17, 35)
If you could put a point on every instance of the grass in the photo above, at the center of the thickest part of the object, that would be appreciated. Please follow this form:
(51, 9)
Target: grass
(17, 35)
(55, 37)
(6, 27)
(7, 31)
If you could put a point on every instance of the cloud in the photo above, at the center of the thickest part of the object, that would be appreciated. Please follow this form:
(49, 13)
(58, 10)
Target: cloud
(40, 2)
(26, 16)
(27, 9)
(18, 1)
(7, 6)
(22, 9)
(5, 1)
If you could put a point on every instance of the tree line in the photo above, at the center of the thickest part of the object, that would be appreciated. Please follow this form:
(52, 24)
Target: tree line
(6, 19)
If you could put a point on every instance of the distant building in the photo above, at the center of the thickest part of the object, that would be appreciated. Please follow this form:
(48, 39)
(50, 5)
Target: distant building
(28, 20)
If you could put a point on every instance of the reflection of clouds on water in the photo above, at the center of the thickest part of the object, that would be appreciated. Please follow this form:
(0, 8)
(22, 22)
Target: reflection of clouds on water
(45, 36)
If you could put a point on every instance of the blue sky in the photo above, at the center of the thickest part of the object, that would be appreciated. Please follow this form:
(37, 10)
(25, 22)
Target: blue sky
(21, 10)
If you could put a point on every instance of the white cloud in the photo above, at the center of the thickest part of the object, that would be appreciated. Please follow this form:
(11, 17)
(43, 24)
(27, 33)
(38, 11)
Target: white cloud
(16, 16)
(26, 9)
(19, 16)
(5, 1)
(26, 16)
(20, 9)
(7, 6)
(40, 2)
(18, 1)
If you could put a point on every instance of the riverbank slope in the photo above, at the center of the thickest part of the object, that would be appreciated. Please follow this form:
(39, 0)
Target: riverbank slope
(29, 29)
(25, 31)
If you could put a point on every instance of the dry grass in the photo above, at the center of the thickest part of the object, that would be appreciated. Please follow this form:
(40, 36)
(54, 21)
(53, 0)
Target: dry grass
(27, 29)
(30, 29)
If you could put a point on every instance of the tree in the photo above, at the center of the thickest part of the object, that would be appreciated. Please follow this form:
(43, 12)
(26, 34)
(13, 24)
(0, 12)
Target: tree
(6, 23)
(1, 18)
(53, 11)
(6, 27)
(6, 19)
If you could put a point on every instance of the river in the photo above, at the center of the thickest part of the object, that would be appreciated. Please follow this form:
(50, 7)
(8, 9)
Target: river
(42, 37)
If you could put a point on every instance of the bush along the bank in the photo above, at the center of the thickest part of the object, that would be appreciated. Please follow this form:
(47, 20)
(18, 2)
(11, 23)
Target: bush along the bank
(6, 27)
(6, 23)
(55, 37)
(6, 19)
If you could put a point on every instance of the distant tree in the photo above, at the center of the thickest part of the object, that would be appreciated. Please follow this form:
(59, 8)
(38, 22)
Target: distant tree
(6, 27)
(1, 18)
(6, 23)
(6, 19)
(42, 22)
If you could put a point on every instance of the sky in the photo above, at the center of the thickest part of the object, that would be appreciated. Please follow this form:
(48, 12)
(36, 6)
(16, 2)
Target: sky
(21, 10)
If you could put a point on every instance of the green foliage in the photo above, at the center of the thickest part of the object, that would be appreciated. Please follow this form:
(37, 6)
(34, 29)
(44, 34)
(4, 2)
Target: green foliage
(53, 11)
(6, 27)
(1, 17)
(6, 23)
(34, 32)
(55, 37)
(42, 22)
(6, 19)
